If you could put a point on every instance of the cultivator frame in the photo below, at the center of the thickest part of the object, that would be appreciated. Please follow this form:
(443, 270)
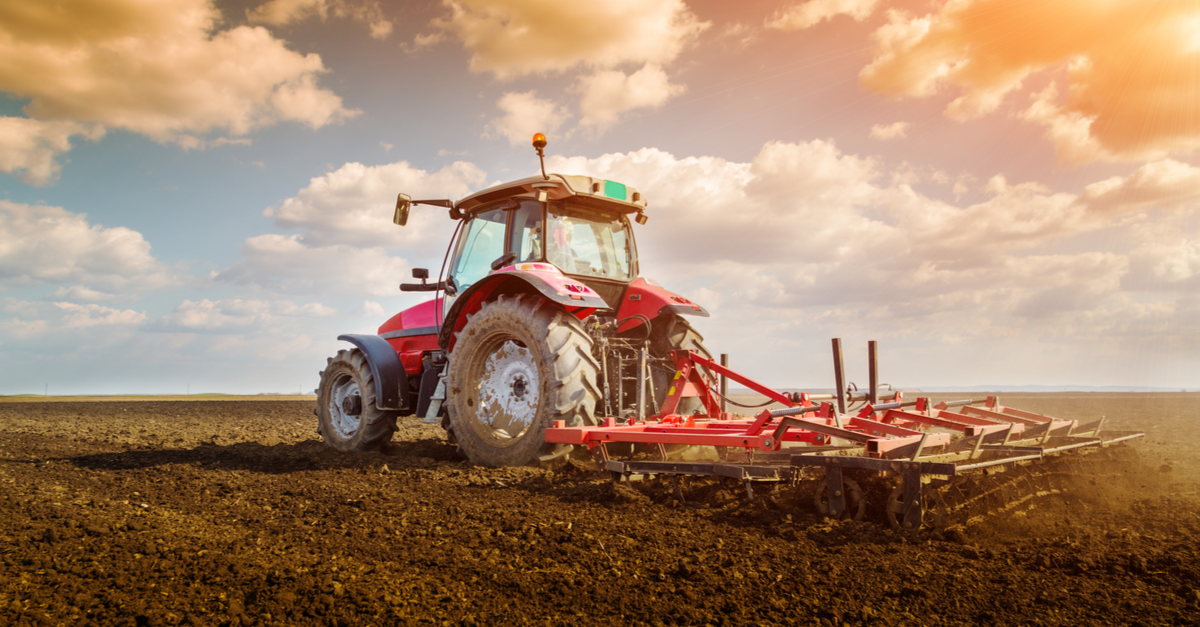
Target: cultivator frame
(914, 439)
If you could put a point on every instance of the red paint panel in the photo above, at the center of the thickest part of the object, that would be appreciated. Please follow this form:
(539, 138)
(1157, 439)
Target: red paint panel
(645, 298)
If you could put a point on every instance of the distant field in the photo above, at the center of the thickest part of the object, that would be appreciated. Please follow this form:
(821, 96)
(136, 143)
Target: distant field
(38, 398)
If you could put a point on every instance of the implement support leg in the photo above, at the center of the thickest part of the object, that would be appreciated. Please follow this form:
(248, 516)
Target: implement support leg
(913, 513)
(836, 491)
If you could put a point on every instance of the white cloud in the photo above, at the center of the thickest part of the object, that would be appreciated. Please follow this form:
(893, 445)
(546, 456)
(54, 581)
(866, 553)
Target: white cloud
(1165, 183)
(40, 245)
(284, 12)
(83, 316)
(163, 69)
(524, 115)
(29, 148)
(354, 204)
(512, 38)
(286, 264)
(885, 132)
(233, 315)
(803, 227)
(802, 15)
(607, 94)
(77, 293)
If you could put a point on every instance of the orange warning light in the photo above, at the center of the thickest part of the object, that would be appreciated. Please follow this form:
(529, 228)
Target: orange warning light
(539, 141)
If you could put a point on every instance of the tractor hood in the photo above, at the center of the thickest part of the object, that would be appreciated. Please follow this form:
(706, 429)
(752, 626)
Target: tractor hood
(601, 194)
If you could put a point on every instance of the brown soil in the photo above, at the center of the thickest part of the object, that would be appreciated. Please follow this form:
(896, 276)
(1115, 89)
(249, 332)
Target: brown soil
(234, 513)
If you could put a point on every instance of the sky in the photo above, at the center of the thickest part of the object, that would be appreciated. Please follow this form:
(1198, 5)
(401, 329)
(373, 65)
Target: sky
(196, 195)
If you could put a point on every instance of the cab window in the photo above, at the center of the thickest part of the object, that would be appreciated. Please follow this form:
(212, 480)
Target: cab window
(527, 231)
(482, 244)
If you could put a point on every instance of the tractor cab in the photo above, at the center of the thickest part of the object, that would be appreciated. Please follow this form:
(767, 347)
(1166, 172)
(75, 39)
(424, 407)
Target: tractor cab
(577, 224)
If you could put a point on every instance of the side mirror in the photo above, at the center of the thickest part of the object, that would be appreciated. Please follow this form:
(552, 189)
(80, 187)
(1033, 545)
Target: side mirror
(403, 202)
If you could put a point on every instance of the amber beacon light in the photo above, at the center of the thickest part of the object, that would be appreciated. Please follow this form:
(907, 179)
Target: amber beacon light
(539, 142)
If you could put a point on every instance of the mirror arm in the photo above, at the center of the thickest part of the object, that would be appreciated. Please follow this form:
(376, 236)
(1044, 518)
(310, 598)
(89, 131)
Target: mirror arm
(422, 286)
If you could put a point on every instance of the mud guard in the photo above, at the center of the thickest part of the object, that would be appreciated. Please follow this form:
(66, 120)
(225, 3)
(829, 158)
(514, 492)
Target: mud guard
(391, 382)
(649, 299)
(575, 297)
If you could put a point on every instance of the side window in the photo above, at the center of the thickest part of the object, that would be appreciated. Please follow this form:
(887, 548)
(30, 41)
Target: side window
(483, 244)
(527, 231)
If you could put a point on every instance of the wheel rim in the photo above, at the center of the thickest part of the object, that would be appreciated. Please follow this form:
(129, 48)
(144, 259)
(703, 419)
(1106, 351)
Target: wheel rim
(344, 396)
(509, 392)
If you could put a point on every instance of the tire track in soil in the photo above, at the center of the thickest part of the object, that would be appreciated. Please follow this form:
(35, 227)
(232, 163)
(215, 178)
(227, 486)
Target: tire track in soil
(233, 513)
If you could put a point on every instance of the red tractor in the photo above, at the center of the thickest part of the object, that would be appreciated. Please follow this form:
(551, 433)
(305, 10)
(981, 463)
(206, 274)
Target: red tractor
(539, 316)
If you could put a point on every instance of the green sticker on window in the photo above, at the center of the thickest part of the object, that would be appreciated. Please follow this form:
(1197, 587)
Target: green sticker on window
(613, 189)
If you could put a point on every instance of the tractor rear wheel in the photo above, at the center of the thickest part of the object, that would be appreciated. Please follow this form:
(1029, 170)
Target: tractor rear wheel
(348, 418)
(672, 333)
(518, 365)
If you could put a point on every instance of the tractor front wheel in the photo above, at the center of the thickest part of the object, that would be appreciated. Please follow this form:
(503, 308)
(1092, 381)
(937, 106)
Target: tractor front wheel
(348, 418)
(518, 365)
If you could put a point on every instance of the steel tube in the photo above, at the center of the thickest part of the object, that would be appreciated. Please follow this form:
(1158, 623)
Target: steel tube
(896, 405)
(724, 384)
(839, 375)
(641, 383)
(873, 371)
(793, 411)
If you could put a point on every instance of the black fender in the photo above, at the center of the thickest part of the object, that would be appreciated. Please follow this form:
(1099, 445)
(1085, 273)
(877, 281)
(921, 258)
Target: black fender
(511, 282)
(391, 382)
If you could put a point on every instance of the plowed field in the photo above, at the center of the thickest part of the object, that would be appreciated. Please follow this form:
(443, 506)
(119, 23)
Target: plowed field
(234, 513)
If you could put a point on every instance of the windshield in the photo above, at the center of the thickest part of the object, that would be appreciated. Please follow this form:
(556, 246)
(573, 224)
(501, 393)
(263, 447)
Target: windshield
(588, 243)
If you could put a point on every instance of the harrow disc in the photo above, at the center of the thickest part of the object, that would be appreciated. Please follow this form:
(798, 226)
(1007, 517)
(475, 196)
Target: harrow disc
(934, 512)
(856, 504)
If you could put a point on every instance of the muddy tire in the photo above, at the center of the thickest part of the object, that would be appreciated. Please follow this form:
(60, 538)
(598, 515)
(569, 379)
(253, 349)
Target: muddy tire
(347, 417)
(518, 365)
(670, 333)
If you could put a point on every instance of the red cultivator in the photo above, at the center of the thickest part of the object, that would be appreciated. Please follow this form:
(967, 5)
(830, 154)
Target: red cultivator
(955, 442)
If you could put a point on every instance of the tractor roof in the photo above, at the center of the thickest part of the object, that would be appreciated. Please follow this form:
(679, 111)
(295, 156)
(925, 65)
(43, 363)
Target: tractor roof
(591, 192)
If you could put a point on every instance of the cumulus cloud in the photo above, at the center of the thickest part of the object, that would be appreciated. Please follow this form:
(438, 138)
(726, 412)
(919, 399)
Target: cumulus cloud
(82, 316)
(802, 15)
(512, 38)
(40, 245)
(29, 148)
(1162, 183)
(79, 293)
(804, 227)
(284, 12)
(524, 115)
(895, 130)
(233, 315)
(354, 204)
(286, 264)
(607, 94)
(347, 245)
(1128, 67)
(163, 69)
